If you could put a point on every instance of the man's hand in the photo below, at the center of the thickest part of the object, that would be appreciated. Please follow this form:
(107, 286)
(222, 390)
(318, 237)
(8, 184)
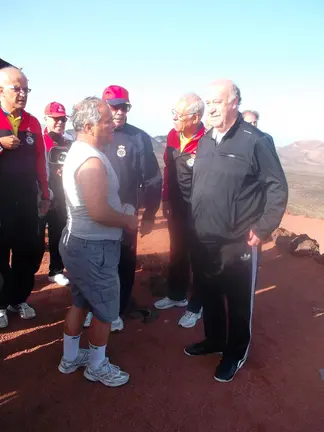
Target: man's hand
(132, 223)
(146, 227)
(166, 209)
(10, 142)
(253, 239)
(44, 206)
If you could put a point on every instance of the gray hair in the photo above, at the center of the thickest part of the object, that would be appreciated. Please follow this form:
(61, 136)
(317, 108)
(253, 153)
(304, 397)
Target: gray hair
(255, 113)
(86, 112)
(194, 103)
(236, 92)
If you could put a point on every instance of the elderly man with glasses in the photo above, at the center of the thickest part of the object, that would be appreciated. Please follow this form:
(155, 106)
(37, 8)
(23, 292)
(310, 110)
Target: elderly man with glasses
(22, 167)
(132, 157)
(55, 119)
(179, 160)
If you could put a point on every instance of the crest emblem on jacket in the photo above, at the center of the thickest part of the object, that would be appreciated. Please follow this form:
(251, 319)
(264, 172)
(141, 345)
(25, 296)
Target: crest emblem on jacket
(29, 139)
(190, 162)
(121, 152)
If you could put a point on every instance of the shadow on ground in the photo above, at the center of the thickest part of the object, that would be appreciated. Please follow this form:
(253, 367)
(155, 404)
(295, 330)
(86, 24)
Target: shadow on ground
(279, 389)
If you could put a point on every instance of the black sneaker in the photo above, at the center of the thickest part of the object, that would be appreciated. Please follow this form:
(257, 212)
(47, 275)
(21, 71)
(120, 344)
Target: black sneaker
(202, 348)
(227, 369)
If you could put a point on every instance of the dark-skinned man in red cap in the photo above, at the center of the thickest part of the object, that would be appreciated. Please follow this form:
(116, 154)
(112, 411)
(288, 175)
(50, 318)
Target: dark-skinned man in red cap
(132, 157)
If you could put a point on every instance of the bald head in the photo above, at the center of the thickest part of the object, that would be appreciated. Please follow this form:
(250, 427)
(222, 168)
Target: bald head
(13, 89)
(223, 100)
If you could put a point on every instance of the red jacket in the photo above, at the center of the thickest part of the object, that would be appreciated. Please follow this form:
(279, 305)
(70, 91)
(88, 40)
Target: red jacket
(178, 166)
(21, 168)
(49, 143)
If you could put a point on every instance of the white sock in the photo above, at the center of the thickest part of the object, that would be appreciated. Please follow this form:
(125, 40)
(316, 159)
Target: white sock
(97, 355)
(71, 347)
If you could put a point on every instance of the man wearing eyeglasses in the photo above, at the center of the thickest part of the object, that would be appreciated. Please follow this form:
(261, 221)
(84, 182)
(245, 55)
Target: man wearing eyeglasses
(132, 157)
(55, 119)
(22, 167)
(179, 158)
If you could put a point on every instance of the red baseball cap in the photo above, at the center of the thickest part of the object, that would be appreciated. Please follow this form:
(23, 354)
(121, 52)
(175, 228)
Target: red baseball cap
(55, 109)
(115, 95)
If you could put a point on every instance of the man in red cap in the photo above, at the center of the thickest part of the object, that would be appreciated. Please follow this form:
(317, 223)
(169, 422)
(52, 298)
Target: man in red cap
(132, 157)
(55, 119)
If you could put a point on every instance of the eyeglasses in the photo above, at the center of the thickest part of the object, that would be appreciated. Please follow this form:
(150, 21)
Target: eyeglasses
(18, 89)
(182, 116)
(121, 107)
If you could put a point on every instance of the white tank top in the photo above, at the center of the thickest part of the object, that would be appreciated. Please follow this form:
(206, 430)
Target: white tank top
(79, 223)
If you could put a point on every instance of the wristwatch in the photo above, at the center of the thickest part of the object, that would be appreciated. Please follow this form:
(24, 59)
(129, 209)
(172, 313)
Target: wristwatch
(1, 149)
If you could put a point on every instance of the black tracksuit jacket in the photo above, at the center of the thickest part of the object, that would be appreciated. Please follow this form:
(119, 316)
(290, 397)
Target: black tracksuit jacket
(132, 157)
(238, 186)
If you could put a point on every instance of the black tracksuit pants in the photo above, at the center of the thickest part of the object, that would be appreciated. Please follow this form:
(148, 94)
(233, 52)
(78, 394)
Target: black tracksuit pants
(227, 277)
(56, 221)
(18, 235)
(127, 268)
(180, 267)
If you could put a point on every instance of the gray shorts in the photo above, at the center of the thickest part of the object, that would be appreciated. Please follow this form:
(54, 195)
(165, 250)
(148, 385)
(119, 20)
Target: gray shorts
(92, 267)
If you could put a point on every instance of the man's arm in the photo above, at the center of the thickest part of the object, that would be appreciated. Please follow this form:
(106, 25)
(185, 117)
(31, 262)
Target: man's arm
(151, 179)
(165, 187)
(274, 183)
(41, 163)
(93, 182)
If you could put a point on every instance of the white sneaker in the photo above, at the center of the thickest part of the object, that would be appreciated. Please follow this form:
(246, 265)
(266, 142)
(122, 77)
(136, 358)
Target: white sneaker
(67, 367)
(108, 374)
(3, 318)
(189, 319)
(88, 320)
(25, 311)
(60, 279)
(167, 303)
(117, 325)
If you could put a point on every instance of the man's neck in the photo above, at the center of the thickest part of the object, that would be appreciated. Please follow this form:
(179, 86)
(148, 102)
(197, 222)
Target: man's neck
(88, 139)
(190, 133)
(226, 127)
(13, 111)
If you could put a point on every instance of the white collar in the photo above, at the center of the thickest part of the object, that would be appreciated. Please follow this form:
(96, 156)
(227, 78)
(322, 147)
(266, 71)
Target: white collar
(219, 135)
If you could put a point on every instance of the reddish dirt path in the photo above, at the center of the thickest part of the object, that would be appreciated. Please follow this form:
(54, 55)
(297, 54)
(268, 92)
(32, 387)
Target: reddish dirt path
(278, 390)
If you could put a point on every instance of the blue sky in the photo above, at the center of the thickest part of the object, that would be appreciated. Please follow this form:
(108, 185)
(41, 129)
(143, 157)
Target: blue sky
(272, 49)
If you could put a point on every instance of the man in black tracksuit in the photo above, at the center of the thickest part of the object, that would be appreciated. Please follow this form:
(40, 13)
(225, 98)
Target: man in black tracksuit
(239, 195)
(132, 157)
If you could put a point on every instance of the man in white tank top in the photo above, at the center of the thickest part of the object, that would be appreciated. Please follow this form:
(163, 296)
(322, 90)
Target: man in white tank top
(90, 243)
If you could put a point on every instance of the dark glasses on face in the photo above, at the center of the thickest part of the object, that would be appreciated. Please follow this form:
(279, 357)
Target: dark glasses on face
(62, 119)
(121, 107)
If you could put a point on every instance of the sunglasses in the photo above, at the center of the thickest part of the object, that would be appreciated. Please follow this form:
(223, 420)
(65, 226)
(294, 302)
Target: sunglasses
(121, 107)
(57, 119)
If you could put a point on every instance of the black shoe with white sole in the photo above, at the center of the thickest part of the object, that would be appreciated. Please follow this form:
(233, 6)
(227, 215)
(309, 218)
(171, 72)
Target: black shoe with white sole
(227, 369)
(202, 348)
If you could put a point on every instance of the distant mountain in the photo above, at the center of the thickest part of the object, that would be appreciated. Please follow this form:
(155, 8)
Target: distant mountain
(303, 157)
(161, 138)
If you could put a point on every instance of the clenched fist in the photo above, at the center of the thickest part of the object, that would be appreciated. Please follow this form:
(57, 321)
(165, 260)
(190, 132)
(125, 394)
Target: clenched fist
(10, 142)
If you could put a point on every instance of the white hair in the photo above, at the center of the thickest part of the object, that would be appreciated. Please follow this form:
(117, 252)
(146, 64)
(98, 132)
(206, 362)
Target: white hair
(86, 112)
(235, 93)
(194, 104)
